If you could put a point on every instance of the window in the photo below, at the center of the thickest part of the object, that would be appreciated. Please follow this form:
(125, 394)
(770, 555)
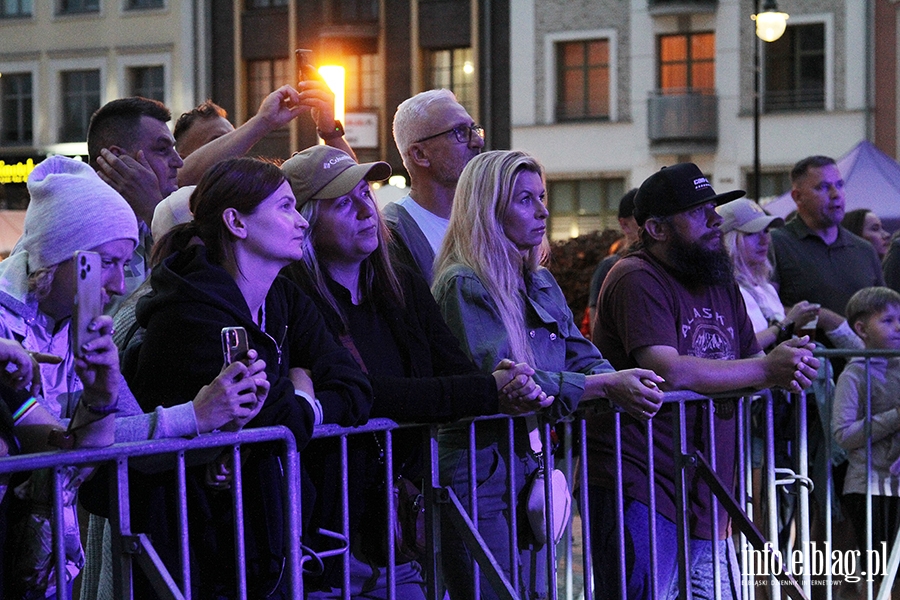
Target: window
(583, 76)
(363, 81)
(147, 82)
(78, 6)
(16, 123)
(266, 3)
(15, 8)
(264, 77)
(355, 11)
(770, 184)
(81, 97)
(144, 4)
(455, 70)
(587, 198)
(795, 69)
(687, 63)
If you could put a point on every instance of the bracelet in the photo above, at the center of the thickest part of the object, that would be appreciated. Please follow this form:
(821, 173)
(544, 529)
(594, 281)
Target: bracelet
(23, 410)
(335, 133)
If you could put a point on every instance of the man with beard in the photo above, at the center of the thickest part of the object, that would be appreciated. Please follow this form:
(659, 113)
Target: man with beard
(816, 259)
(673, 306)
(436, 138)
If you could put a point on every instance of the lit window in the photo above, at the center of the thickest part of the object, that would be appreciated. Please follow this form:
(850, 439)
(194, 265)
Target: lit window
(583, 80)
(795, 69)
(80, 98)
(363, 82)
(16, 122)
(687, 63)
(455, 70)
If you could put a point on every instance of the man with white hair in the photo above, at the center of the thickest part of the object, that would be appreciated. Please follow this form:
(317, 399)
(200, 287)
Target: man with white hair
(436, 138)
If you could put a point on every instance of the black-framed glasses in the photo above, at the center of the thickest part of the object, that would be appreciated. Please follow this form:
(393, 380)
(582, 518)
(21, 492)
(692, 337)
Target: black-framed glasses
(463, 133)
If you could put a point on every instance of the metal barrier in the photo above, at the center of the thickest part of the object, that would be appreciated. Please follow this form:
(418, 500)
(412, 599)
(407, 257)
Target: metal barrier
(564, 561)
(128, 547)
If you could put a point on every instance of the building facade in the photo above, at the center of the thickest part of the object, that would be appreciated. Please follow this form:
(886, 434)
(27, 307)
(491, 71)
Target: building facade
(60, 60)
(608, 91)
(389, 49)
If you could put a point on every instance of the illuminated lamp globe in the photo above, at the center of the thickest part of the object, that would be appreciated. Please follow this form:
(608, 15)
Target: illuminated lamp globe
(770, 25)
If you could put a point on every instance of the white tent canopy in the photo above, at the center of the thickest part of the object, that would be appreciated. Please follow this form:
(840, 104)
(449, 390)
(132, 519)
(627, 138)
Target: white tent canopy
(871, 180)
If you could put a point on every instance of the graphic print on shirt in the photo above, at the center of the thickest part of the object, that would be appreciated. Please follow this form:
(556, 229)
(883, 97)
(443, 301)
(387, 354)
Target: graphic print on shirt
(709, 336)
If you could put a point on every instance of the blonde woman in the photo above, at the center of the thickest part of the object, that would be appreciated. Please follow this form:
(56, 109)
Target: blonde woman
(502, 304)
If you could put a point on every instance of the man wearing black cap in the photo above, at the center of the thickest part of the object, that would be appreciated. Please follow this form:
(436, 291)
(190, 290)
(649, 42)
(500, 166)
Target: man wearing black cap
(673, 307)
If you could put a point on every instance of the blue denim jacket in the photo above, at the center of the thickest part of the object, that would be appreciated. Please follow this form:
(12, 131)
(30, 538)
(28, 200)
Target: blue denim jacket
(563, 356)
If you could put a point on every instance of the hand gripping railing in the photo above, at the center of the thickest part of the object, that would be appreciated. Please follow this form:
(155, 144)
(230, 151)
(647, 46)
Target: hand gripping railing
(128, 546)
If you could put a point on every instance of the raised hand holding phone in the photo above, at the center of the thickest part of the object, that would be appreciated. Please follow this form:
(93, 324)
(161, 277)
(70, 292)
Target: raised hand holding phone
(88, 299)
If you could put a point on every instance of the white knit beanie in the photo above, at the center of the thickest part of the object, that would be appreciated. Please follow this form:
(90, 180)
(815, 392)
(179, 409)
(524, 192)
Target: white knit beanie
(71, 209)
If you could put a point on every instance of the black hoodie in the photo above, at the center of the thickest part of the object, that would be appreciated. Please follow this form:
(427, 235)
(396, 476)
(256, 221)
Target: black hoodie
(192, 300)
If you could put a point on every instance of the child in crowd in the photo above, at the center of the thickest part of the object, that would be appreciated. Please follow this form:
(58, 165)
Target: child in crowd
(874, 313)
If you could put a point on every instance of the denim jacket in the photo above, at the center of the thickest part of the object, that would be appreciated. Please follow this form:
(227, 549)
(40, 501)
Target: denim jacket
(563, 356)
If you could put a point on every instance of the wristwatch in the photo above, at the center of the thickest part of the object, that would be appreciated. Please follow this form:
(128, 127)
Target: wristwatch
(335, 133)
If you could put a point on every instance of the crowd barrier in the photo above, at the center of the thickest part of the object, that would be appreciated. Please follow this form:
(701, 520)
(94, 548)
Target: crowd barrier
(768, 568)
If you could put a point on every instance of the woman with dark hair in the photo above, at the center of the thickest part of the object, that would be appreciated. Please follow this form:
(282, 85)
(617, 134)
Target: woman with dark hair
(221, 270)
(387, 315)
(867, 225)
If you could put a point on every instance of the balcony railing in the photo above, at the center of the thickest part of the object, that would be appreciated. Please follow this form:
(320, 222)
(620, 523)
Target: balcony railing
(683, 116)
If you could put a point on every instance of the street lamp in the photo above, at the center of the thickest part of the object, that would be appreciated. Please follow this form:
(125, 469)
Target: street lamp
(770, 25)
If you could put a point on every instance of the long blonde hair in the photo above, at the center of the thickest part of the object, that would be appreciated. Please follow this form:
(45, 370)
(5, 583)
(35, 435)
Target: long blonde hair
(476, 239)
(751, 277)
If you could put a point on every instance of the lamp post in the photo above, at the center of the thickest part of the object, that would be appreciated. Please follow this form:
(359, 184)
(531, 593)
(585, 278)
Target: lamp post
(770, 25)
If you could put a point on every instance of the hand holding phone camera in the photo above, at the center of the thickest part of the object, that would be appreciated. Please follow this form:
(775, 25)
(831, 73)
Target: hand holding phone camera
(88, 298)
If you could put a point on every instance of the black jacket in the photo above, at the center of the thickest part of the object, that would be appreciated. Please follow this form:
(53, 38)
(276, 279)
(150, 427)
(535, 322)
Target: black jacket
(192, 300)
(439, 383)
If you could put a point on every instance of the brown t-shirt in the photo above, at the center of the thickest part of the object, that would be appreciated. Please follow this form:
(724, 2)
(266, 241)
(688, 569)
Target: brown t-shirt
(642, 305)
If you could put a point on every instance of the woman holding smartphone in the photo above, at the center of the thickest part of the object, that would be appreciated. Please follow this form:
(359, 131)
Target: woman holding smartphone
(501, 303)
(221, 270)
(82, 396)
(387, 315)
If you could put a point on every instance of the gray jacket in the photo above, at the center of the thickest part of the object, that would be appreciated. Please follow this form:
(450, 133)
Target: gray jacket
(408, 244)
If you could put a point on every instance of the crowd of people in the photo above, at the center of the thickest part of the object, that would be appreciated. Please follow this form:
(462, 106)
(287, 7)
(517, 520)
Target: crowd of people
(435, 310)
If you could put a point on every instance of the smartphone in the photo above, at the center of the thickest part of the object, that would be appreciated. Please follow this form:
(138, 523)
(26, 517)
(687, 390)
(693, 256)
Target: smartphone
(234, 344)
(304, 56)
(88, 298)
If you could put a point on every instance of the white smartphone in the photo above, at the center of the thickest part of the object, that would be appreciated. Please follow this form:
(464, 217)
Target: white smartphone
(88, 298)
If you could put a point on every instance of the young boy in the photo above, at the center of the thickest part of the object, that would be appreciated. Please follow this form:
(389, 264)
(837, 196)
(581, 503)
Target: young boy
(874, 314)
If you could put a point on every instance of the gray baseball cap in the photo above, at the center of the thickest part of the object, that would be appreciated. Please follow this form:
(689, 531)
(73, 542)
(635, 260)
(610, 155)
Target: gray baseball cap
(746, 216)
(323, 172)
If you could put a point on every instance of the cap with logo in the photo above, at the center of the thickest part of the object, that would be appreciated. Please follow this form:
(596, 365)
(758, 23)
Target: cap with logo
(675, 189)
(323, 172)
(746, 216)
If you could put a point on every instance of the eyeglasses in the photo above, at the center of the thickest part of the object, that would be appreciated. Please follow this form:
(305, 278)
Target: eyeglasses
(463, 133)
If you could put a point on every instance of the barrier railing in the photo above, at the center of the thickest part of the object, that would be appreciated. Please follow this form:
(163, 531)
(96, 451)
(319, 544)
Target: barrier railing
(128, 546)
(569, 564)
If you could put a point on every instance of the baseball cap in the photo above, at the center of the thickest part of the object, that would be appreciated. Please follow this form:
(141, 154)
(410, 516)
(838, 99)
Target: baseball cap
(626, 204)
(746, 216)
(323, 172)
(675, 189)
